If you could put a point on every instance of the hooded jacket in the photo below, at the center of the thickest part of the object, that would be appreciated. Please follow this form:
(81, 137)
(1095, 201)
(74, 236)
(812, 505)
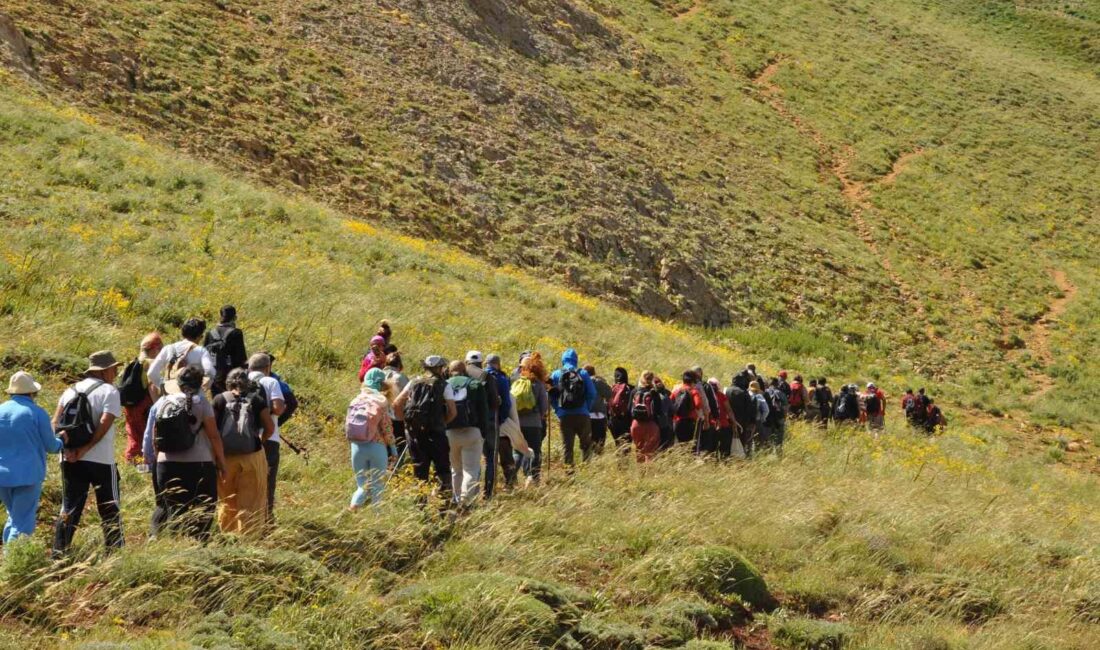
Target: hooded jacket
(569, 362)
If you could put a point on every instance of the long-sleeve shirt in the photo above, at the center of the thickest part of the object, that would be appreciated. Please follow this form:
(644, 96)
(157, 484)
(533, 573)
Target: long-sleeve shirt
(696, 401)
(234, 344)
(26, 436)
(170, 355)
(762, 409)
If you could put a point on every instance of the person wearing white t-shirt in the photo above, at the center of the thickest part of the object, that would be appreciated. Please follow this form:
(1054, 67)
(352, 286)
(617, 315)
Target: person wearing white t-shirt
(91, 466)
(259, 371)
(181, 354)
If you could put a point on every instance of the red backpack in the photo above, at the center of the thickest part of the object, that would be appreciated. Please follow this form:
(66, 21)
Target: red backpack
(619, 405)
(796, 394)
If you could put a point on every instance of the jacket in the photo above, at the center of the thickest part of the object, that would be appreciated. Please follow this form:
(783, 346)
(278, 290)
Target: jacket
(504, 391)
(762, 409)
(26, 436)
(696, 401)
(569, 362)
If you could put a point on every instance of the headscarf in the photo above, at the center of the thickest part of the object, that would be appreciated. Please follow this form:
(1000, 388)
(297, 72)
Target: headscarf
(374, 379)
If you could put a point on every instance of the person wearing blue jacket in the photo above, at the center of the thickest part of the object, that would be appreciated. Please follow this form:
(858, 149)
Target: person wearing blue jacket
(572, 394)
(26, 436)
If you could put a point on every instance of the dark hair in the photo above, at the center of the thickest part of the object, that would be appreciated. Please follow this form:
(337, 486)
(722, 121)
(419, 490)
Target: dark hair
(190, 379)
(822, 381)
(921, 391)
(813, 382)
(394, 360)
(908, 390)
(591, 370)
(229, 314)
(773, 382)
(192, 328)
(238, 379)
(798, 378)
(389, 349)
(690, 377)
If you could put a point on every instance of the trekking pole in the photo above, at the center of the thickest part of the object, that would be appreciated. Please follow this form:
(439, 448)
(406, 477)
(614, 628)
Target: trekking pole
(396, 466)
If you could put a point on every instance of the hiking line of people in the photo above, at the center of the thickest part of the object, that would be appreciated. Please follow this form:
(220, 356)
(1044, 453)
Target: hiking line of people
(203, 419)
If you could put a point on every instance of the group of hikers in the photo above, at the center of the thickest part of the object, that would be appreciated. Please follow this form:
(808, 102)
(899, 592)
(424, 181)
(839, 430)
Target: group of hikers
(203, 418)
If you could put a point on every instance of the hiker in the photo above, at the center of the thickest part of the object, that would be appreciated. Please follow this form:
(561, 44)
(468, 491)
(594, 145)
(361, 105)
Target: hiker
(687, 408)
(776, 422)
(505, 448)
(375, 358)
(386, 332)
(725, 422)
(466, 432)
(86, 413)
(823, 398)
(26, 436)
(846, 411)
(244, 422)
(664, 416)
(491, 448)
(618, 408)
(784, 386)
(395, 376)
(874, 405)
(572, 395)
(744, 414)
(908, 404)
(645, 411)
(598, 412)
(934, 419)
(259, 371)
(136, 398)
(190, 458)
(811, 411)
(369, 430)
(532, 402)
(762, 410)
(708, 432)
(920, 408)
(181, 354)
(798, 398)
(426, 405)
(225, 343)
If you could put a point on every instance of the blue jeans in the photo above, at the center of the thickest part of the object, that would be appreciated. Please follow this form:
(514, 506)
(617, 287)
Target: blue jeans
(369, 460)
(22, 504)
(532, 467)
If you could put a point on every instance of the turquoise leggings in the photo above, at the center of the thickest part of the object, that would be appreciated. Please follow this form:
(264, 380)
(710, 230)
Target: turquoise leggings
(369, 460)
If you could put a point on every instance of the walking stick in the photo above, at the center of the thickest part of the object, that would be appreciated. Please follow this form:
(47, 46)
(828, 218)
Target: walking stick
(396, 466)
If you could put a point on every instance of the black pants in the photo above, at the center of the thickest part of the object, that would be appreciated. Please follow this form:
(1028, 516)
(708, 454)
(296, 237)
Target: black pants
(428, 449)
(708, 441)
(76, 479)
(620, 430)
(399, 436)
(160, 511)
(189, 492)
(489, 450)
(507, 460)
(725, 442)
(599, 434)
(668, 436)
(748, 436)
(272, 451)
(685, 430)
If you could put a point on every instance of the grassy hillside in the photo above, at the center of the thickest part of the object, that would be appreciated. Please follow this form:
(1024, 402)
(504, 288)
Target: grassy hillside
(914, 178)
(967, 541)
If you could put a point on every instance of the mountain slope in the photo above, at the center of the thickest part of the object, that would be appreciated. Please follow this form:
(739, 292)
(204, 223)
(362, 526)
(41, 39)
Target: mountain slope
(966, 540)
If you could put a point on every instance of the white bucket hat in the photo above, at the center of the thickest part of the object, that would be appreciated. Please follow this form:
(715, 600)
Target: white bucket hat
(474, 356)
(22, 383)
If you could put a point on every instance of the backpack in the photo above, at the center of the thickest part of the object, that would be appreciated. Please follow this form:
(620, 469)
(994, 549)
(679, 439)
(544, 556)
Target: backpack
(238, 425)
(712, 401)
(683, 405)
(216, 345)
(572, 390)
(175, 365)
(642, 406)
(523, 392)
(77, 421)
(465, 404)
(873, 404)
(425, 408)
(777, 405)
(796, 395)
(620, 406)
(132, 390)
(824, 397)
(172, 430)
(744, 411)
(290, 401)
(365, 420)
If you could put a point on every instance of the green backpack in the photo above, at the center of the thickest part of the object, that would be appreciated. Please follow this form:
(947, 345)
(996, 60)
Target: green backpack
(523, 392)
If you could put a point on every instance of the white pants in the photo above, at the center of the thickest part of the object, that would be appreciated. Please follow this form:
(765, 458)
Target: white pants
(466, 448)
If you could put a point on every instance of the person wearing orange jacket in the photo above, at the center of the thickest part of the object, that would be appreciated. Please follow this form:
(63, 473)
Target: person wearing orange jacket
(687, 408)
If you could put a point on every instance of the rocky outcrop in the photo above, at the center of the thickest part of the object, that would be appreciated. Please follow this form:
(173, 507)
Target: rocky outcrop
(15, 50)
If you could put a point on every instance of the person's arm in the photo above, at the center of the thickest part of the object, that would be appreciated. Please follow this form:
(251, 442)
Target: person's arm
(268, 423)
(399, 404)
(147, 449)
(589, 392)
(45, 431)
(238, 355)
(105, 424)
(452, 411)
(215, 438)
(156, 368)
(207, 362)
(278, 402)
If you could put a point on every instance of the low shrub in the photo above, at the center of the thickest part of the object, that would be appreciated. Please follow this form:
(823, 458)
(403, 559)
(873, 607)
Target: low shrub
(811, 634)
(717, 573)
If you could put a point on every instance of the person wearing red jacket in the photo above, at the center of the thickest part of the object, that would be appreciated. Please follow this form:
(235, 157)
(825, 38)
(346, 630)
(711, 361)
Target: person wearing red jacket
(725, 422)
(874, 402)
(688, 409)
(376, 358)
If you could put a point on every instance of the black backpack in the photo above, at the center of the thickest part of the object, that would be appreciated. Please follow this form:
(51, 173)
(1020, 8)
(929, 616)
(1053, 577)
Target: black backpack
(470, 409)
(426, 409)
(712, 400)
(873, 403)
(684, 404)
(132, 390)
(77, 421)
(744, 411)
(216, 345)
(824, 398)
(239, 428)
(645, 406)
(777, 405)
(173, 430)
(572, 391)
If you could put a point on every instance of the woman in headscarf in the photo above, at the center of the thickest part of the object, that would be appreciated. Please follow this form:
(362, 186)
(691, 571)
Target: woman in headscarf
(645, 409)
(369, 429)
(376, 358)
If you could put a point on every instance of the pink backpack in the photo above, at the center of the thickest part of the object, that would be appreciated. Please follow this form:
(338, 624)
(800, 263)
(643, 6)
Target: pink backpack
(367, 419)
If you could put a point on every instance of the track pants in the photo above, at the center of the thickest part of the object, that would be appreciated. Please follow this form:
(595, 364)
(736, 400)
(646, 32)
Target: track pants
(369, 460)
(272, 453)
(465, 448)
(76, 479)
(430, 449)
(532, 467)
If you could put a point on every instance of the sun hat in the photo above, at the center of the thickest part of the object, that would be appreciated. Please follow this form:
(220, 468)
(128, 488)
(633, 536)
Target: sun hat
(374, 378)
(102, 360)
(474, 356)
(21, 383)
(434, 361)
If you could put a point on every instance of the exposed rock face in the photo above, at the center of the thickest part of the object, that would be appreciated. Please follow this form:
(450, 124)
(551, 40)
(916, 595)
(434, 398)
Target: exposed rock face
(15, 51)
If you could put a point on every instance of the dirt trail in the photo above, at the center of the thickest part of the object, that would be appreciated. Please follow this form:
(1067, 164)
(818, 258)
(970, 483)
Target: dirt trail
(837, 164)
(1038, 343)
(695, 8)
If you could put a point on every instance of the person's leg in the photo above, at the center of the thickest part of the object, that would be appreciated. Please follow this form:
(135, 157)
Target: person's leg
(400, 441)
(725, 439)
(491, 446)
(22, 505)
(470, 457)
(359, 460)
(532, 467)
(441, 460)
(273, 452)
(568, 433)
(105, 480)
(160, 511)
(584, 433)
(377, 462)
(507, 462)
(455, 454)
(6, 498)
(206, 500)
(420, 450)
(252, 492)
(176, 493)
(229, 495)
(599, 434)
(74, 494)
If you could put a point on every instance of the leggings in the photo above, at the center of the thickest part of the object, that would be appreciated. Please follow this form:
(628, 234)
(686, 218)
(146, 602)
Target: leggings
(369, 460)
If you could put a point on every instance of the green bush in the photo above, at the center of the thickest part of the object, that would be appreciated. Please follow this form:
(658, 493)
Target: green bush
(22, 573)
(678, 621)
(718, 573)
(811, 634)
(238, 632)
(598, 634)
